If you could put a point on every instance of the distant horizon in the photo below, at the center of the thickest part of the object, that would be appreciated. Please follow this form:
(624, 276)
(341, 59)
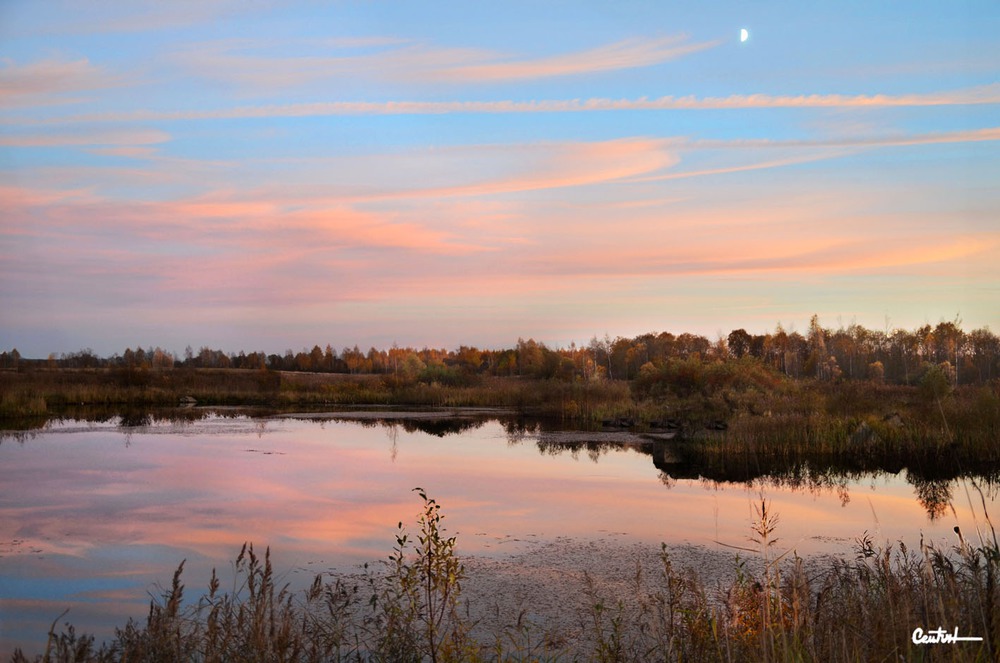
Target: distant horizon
(340, 344)
(259, 176)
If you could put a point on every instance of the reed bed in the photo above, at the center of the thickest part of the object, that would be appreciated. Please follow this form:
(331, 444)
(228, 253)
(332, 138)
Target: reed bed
(40, 392)
(411, 609)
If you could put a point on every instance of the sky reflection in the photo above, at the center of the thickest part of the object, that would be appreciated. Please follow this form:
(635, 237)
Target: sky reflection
(91, 518)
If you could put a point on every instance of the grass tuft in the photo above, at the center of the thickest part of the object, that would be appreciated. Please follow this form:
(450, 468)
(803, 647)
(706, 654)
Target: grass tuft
(850, 610)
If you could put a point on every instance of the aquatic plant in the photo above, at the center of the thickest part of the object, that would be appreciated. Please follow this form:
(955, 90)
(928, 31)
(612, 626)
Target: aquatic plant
(868, 608)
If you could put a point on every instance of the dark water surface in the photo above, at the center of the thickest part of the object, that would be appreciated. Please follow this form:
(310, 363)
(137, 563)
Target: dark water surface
(93, 515)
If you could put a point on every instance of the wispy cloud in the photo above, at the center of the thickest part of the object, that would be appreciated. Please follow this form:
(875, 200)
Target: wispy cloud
(117, 137)
(217, 223)
(149, 15)
(145, 153)
(401, 61)
(887, 140)
(51, 81)
(423, 174)
(552, 166)
(626, 54)
(758, 165)
(226, 63)
(983, 95)
(815, 150)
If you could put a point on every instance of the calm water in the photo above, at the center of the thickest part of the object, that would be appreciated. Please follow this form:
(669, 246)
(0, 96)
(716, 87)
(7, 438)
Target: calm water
(92, 516)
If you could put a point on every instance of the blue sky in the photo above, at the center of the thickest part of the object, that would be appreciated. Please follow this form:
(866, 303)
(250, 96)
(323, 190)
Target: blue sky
(258, 175)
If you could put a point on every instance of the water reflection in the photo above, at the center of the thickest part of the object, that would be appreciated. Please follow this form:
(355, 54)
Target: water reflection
(932, 478)
(94, 511)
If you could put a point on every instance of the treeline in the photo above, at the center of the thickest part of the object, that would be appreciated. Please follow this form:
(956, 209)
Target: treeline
(895, 356)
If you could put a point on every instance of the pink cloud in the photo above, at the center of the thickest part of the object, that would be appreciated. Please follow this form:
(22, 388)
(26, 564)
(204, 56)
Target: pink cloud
(888, 140)
(626, 54)
(15, 198)
(51, 81)
(128, 137)
(983, 95)
(223, 61)
(397, 230)
(760, 165)
(145, 153)
(561, 165)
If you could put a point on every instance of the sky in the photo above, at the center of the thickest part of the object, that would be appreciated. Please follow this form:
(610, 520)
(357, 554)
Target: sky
(268, 176)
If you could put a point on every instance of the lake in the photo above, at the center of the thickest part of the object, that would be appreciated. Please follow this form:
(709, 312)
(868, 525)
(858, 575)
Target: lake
(94, 514)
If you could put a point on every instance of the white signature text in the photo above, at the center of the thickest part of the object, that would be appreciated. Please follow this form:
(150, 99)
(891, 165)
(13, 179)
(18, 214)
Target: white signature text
(940, 636)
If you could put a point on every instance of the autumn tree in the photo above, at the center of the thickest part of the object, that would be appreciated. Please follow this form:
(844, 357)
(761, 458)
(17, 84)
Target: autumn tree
(354, 358)
(948, 343)
(817, 348)
(984, 348)
(469, 359)
(739, 343)
(316, 358)
(377, 360)
(529, 357)
(688, 345)
(601, 350)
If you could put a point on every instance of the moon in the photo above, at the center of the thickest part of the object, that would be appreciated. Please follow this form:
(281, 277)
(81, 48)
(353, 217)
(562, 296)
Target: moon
(744, 35)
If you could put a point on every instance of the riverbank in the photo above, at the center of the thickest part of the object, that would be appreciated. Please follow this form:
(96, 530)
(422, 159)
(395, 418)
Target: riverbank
(739, 415)
(42, 392)
(722, 395)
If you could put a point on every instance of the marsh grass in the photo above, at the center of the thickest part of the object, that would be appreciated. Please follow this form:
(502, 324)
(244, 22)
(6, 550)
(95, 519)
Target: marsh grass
(411, 609)
(855, 427)
(762, 415)
(43, 392)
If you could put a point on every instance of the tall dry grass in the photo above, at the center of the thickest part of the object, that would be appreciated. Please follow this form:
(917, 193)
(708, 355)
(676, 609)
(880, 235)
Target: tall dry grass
(411, 609)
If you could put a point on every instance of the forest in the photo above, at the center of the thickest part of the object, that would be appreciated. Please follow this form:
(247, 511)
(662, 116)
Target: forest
(889, 356)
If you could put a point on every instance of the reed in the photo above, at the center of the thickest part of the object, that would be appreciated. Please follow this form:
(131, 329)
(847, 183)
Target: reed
(410, 609)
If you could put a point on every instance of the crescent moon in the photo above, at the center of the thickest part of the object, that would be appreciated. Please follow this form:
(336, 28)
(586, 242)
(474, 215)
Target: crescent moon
(744, 35)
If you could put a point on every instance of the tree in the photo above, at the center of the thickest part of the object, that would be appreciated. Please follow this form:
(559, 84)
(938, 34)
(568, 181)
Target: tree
(777, 349)
(162, 358)
(316, 358)
(354, 358)
(984, 347)
(796, 354)
(664, 346)
(396, 357)
(412, 366)
(530, 360)
(377, 360)
(635, 356)
(469, 359)
(949, 340)
(817, 348)
(688, 345)
(739, 343)
(601, 349)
